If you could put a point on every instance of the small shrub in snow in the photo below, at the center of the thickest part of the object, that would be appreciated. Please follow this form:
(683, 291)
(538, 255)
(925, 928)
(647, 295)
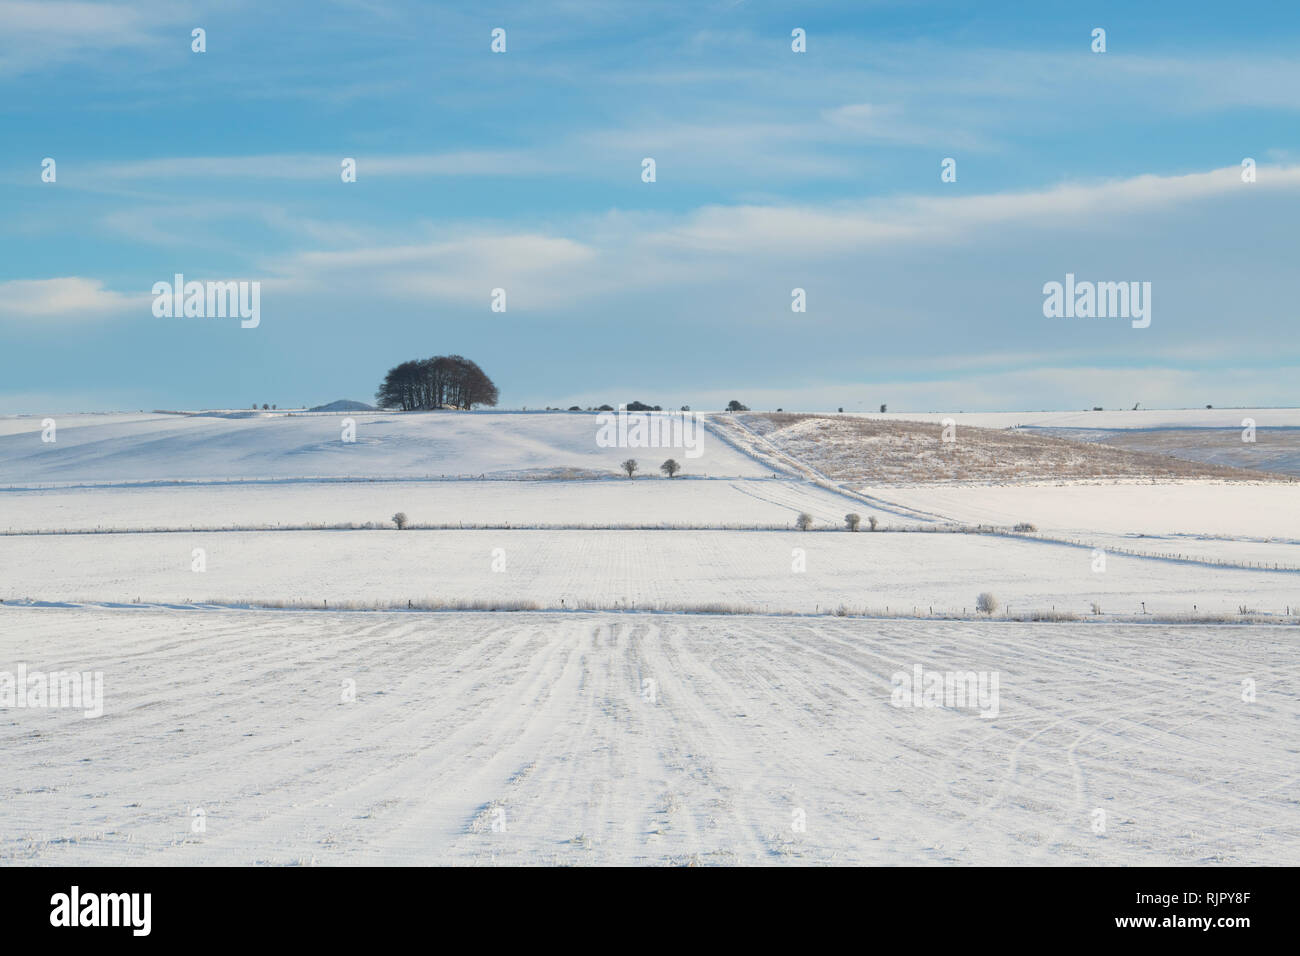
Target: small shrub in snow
(804, 521)
(986, 603)
(399, 519)
(852, 521)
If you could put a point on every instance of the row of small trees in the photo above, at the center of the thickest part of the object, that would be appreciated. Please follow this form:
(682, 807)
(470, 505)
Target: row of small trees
(669, 468)
(851, 521)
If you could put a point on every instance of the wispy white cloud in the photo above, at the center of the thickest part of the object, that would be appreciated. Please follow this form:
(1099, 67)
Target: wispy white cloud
(320, 168)
(534, 269)
(197, 224)
(69, 299)
(804, 230)
(36, 34)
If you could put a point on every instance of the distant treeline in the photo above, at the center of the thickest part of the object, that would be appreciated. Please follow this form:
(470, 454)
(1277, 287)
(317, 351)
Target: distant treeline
(444, 381)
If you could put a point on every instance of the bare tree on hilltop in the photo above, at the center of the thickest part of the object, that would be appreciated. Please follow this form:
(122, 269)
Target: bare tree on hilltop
(439, 382)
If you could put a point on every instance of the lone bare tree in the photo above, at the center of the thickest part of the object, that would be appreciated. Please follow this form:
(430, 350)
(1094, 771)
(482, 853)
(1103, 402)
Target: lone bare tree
(670, 467)
(399, 519)
(852, 520)
(804, 521)
(630, 466)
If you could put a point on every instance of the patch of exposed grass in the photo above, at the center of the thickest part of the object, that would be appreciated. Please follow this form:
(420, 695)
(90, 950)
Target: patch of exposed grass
(850, 448)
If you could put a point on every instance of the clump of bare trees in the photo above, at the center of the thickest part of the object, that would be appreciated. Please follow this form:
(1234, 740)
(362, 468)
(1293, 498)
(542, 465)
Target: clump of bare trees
(439, 382)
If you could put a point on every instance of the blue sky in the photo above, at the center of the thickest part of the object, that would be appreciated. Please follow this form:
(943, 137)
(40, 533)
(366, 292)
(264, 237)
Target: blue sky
(775, 170)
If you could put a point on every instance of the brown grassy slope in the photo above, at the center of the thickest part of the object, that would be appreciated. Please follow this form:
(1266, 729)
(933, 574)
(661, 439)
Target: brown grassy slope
(847, 448)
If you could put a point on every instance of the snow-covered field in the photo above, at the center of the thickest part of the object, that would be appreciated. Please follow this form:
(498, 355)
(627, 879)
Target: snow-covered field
(633, 739)
(1241, 509)
(644, 501)
(1235, 522)
(768, 571)
(1271, 449)
(626, 736)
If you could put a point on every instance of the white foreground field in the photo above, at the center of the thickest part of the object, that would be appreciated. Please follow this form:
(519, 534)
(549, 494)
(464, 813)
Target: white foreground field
(768, 571)
(606, 739)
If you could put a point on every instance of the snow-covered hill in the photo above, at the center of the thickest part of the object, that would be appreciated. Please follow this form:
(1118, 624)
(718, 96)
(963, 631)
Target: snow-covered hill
(268, 445)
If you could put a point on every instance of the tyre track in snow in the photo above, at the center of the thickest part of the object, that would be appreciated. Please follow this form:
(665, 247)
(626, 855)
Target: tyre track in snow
(544, 717)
